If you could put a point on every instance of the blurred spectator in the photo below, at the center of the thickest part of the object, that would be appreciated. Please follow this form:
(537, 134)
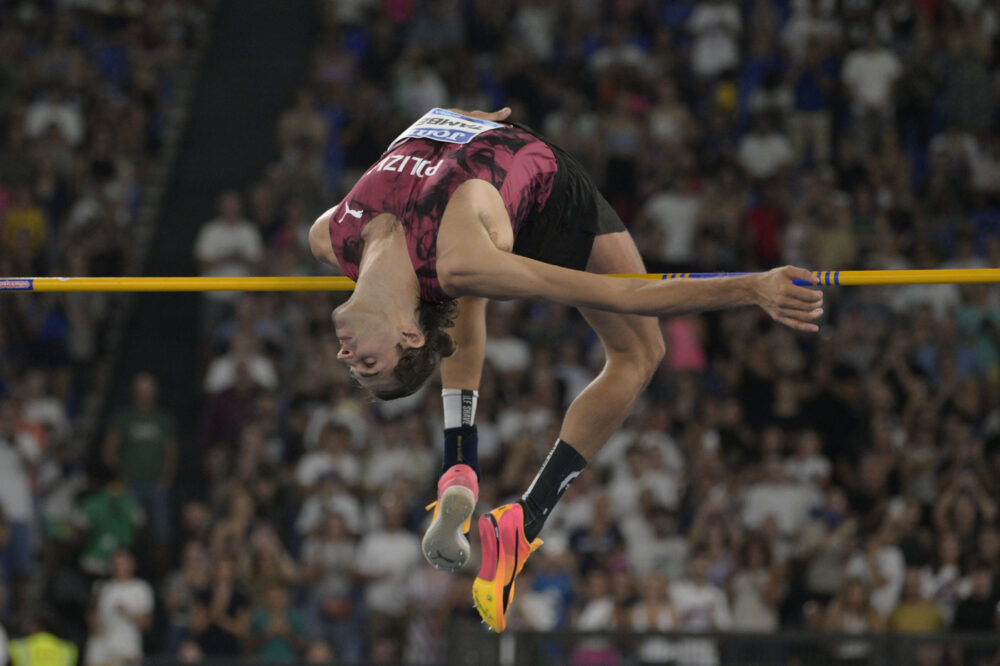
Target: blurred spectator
(654, 613)
(757, 587)
(979, 610)
(141, 447)
(765, 151)
(19, 452)
(851, 612)
(328, 557)
(715, 27)
(123, 610)
(386, 556)
(221, 614)
(276, 630)
(227, 246)
(915, 613)
(700, 606)
(180, 591)
(870, 74)
(39, 646)
(110, 519)
(595, 611)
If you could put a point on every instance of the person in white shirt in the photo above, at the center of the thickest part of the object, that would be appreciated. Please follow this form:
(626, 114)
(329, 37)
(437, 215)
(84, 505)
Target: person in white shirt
(715, 26)
(123, 610)
(333, 454)
(672, 218)
(765, 151)
(699, 606)
(385, 559)
(788, 502)
(228, 245)
(869, 74)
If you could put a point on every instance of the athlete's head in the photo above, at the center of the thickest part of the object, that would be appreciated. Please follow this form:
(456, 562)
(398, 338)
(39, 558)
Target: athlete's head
(392, 356)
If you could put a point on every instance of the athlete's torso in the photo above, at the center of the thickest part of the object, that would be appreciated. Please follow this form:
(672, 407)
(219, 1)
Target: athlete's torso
(415, 179)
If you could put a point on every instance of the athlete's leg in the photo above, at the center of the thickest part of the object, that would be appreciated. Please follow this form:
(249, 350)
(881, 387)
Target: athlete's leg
(444, 544)
(633, 348)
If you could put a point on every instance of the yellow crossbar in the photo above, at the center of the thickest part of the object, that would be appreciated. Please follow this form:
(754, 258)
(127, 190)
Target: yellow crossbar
(826, 278)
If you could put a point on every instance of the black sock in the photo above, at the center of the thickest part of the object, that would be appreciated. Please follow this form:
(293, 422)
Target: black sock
(461, 446)
(563, 464)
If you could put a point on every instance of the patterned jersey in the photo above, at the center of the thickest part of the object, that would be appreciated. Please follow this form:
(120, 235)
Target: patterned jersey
(415, 179)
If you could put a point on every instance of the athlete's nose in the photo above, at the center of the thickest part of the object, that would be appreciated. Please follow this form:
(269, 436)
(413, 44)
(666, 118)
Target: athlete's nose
(344, 353)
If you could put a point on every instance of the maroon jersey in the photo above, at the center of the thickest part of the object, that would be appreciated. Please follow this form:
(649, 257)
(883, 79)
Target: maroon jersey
(415, 179)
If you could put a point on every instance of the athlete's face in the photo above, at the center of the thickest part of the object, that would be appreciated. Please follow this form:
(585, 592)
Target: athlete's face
(370, 345)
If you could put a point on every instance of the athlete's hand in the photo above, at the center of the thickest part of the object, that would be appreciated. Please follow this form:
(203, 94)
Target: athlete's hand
(492, 116)
(788, 303)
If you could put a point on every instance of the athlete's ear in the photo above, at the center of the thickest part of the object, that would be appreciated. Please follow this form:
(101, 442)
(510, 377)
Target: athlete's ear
(413, 337)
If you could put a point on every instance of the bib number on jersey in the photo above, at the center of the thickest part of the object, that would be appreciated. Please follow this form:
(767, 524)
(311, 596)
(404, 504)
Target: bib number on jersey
(446, 126)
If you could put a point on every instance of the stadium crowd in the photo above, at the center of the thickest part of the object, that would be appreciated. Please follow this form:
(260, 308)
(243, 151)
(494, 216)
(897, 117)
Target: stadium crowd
(841, 482)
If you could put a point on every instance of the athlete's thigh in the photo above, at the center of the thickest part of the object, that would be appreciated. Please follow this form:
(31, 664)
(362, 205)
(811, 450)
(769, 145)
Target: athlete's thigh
(616, 253)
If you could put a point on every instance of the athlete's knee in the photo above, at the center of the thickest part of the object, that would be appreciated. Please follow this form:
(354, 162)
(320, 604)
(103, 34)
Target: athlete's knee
(640, 359)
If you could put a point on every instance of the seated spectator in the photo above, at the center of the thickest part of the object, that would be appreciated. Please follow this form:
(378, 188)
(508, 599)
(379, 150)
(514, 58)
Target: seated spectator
(700, 606)
(979, 611)
(758, 587)
(244, 350)
(765, 151)
(332, 454)
(595, 611)
(123, 610)
(277, 632)
(180, 590)
(776, 495)
(851, 612)
(915, 614)
(654, 613)
(386, 556)
(110, 518)
(328, 558)
(221, 614)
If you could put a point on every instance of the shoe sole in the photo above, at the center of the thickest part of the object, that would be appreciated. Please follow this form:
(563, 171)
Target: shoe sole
(444, 545)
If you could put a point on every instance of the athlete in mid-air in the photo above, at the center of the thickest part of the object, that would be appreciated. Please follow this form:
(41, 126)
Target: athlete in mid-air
(464, 207)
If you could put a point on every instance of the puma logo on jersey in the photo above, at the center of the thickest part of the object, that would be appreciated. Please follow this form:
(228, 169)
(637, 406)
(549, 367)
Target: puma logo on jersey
(353, 213)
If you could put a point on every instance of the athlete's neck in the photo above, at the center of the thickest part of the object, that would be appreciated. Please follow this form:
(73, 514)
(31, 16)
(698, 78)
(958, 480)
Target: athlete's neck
(386, 279)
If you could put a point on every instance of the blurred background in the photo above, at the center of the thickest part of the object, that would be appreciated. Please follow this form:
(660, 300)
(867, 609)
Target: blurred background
(193, 478)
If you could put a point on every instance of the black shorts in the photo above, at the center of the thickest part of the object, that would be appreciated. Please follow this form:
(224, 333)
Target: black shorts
(575, 212)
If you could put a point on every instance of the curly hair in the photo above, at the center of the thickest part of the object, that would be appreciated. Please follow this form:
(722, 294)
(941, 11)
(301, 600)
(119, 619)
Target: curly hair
(416, 364)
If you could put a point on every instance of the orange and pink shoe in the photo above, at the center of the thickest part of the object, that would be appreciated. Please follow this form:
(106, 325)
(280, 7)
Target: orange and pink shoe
(445, 545)
(505, 550)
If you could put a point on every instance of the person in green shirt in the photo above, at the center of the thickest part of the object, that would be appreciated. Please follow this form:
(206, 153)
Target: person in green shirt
(276, 630)
(110, 517)
(141, 447)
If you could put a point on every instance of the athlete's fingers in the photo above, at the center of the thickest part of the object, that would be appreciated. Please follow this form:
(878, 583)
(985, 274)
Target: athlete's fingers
(499, 114)
(797, 325)
(804, 295)
(797, 273)
(802, 315)
(494, 116)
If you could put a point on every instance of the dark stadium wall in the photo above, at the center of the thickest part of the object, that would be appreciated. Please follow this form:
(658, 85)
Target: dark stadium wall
(257, 58)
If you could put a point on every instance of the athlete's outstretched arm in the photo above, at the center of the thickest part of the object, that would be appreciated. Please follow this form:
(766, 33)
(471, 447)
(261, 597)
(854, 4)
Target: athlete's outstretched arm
(464, 368)
(490, 273)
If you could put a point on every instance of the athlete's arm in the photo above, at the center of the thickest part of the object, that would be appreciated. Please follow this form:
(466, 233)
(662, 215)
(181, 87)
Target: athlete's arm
(469, 264)
(319, 241)
(464, 368)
